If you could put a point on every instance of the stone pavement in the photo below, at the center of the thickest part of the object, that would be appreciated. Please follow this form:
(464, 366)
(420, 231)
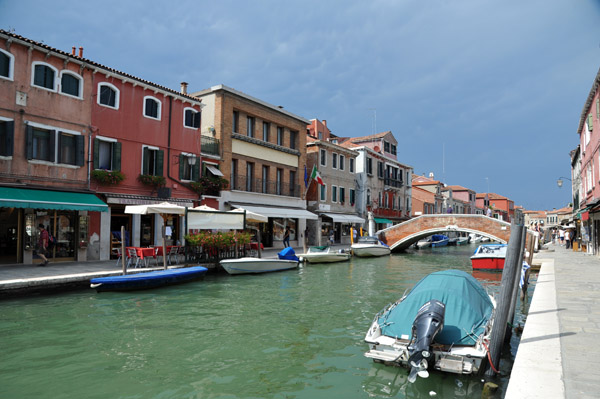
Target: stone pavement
(559, 356)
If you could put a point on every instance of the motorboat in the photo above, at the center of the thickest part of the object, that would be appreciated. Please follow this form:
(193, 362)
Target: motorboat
(324, 254)
(462, 240)
(154, 279)
(475, 238)
(425, 243)
(439, 240)
(369, 246)
(444, 323)
(286, 260)
(489, 257)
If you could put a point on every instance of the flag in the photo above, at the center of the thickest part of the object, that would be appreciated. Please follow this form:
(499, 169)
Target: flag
(316, 175)
(305, 177)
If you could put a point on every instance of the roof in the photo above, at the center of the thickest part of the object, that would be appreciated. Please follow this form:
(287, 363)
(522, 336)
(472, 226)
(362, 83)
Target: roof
(458, 188)
(425, 183)
(89, 63)
(588, 102)
(371, 137)
(492, 196)
(566, 209)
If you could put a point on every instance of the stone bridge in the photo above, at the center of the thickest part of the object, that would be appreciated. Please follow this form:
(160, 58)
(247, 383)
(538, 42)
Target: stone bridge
(403, 235)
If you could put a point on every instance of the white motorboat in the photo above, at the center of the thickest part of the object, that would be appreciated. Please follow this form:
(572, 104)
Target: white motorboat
(370, 246)
(475, 238)
(434, 328)
(257, 265)
(425, 243)
(324, 254)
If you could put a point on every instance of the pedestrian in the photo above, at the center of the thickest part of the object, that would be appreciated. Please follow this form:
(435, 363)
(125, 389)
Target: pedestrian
(568, 239)
(286, 237)
(331, 237)
(488, 213)
(561, 236)
(42, 249)
(354, 234)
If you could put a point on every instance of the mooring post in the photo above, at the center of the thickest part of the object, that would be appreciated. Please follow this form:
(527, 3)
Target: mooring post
(503, 306)
(515, 295)
(123, 254)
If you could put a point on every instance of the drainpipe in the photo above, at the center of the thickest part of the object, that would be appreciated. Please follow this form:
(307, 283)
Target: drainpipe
(169, 143)
(89, 159)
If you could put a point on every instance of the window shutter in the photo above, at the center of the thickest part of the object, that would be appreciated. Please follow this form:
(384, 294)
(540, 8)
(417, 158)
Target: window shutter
(181, 166)
(196, 170)
(590, 123)
(160, 154)
(145, 160)
(96, 154)
(52, 146)
(29, 145)
(80, 152)
(116, 161)
(197, 116)
(10, 132)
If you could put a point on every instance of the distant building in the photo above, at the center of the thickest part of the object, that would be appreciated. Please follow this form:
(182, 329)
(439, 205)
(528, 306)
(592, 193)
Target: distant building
(434, 187)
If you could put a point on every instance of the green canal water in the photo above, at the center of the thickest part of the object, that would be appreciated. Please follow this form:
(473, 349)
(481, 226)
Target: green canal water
(292, 334)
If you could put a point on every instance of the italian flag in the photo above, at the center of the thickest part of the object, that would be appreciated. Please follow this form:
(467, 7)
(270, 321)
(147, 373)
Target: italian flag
(316, 175)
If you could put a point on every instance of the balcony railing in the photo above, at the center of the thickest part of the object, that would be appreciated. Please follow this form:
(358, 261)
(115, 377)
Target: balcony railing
(209, 145)
(388, 181)
(241, 183)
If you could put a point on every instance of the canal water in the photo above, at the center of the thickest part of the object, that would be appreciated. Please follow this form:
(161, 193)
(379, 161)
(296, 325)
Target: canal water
(292, 334)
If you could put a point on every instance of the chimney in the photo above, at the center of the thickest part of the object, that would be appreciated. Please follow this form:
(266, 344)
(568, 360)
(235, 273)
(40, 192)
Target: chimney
(80, 52)
(184, 87)
(73, 51)
(325, 122)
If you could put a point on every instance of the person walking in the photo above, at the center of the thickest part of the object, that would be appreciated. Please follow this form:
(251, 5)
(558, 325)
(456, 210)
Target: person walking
(43, 241)
(286, 237)
(568, 239)
(331, 237)
(561, 236)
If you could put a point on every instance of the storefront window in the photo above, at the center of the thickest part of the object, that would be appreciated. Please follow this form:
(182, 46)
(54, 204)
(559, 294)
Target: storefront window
(279, 225)
(63, 226)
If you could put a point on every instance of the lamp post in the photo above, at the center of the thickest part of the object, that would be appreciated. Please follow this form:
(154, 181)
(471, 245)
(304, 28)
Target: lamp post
(559, 182)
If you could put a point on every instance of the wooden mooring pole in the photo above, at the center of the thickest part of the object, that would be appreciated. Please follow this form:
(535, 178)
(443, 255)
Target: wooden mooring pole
(510, 273)
(515, 294)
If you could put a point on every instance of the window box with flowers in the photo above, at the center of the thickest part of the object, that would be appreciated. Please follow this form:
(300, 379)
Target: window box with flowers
(208, 185)
(151, 180)
(107, 177)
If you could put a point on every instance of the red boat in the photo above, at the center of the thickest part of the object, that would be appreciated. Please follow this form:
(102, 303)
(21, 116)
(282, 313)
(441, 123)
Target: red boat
(489, 257)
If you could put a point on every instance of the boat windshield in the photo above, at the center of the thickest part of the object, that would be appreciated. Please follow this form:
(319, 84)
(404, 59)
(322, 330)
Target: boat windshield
(490, 249)
(368, 240)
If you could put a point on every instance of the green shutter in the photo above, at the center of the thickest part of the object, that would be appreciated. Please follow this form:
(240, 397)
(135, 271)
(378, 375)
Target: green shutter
(196, 170)
(29, 145)
(116, 161)
(590, 122)
(52, 146)
(10, 132)
(160, 154)
(96, 154)
(181, 166)
(80, 152)
(145, 160)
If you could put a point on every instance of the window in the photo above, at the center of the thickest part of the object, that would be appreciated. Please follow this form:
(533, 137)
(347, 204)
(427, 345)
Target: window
(234, 174)
(323, 193)
(250, 126)
(334, 158)
(351, 160)
(7, 128)
(107, 154)
(333, 193)
(265, 179)
(293, 135)
(279, 135)
(7, 65)
(323, 157)
(393, 149)
(292, 182)
(342, 162)
(278, 181)
(44, 76)
(266, 131)
(407, 204)
(152, 108)
(191, 118)
(370, 166)
(152, 161)
(236, 122)
(368, 196)
(380, 169)
(385, 200)
(386, 146)
(249, 176)
(352, 196)
(48, 144)
(379, 199)
(342, 195)
(71, 84)
(42, 145)
(108, 95)
(189, 167)
(67, 148)
(320, 135)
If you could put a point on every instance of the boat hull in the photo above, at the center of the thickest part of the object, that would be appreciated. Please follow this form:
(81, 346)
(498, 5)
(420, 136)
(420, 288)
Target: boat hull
(487, 263)
(365, 251)
(325, 258)
(489, 257)
(257, 265)
(142, 281)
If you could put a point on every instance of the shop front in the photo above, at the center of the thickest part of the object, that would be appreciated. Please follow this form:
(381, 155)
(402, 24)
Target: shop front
(339, 227)
(63, 214)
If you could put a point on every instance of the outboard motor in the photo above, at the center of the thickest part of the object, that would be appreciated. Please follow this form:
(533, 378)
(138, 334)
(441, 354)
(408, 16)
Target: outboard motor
(429, 322)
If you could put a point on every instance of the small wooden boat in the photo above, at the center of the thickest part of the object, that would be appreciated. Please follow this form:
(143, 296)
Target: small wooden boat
(257, 265)
(324, 254)
(142, 281)
(370, 246)
(489, 257)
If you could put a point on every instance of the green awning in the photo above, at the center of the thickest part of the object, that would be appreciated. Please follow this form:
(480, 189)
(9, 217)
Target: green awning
(11, 197)
(383, 220)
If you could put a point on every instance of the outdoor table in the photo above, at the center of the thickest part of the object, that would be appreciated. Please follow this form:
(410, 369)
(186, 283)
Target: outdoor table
(160, 249)
(254, 245)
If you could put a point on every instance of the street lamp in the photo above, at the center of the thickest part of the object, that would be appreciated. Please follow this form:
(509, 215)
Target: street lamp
(559, 182)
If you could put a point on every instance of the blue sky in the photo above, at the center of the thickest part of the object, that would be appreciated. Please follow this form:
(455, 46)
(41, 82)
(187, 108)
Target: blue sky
(481, 93)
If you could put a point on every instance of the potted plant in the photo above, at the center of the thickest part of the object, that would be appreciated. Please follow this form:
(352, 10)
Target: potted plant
(151, 180)
(208, 185)
(107, 177)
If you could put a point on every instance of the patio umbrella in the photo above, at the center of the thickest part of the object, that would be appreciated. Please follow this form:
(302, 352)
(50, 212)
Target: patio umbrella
(253, 217)
(204, 208)
(164, 209)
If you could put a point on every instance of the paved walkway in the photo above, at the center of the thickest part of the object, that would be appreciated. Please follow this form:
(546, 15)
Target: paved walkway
(559, 355)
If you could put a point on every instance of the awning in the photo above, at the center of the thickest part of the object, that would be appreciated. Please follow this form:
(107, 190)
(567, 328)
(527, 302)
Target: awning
(383, 220)
(214, 170)
(344, 218)
(127, 199)
(11, 197)
(217, 220)
(274, 212)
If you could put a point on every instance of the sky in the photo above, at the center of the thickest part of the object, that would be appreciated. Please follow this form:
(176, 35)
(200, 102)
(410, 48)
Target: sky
(484, 94)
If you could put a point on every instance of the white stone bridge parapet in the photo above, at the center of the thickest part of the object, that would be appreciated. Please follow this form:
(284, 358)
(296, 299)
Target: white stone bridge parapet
(403, 235)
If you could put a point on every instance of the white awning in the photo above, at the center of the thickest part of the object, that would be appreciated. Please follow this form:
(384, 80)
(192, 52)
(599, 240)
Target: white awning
(214, 170)
(344, 218)
(214, 220)
(273, 212)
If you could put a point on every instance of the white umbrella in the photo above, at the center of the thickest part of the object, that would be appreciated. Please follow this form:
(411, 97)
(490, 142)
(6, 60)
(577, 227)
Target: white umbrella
(163, 209)
(253, 217)
(204, 208)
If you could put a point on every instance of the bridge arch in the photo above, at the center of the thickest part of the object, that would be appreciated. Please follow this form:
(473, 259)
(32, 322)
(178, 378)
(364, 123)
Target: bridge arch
(403, 235)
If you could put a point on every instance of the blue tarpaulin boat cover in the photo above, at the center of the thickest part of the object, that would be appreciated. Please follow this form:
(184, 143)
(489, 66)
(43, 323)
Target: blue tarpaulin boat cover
(468, 308)
(288, 254)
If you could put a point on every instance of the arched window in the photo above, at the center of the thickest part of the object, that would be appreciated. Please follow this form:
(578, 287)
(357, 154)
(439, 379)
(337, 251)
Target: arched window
(108, 95)
(71, 84)
(7, 65)
(44, 76)
(152, 107)
(191, 118)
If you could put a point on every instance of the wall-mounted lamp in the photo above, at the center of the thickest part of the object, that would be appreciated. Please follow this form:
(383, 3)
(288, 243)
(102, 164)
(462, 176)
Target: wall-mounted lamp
(191, 160)
(559, 182)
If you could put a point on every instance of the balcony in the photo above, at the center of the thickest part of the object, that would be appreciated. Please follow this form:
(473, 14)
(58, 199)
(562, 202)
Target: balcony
(241, 183)
(209, 145)
(388, 181)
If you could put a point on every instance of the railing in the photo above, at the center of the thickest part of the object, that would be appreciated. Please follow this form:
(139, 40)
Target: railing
(241, 183)
(209, 145)
(393, 182)
(201, 254)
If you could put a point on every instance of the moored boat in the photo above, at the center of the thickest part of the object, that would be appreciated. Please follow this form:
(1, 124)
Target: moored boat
(370, 246)
(443, 323)
(324, 254)
(489, 257)
(286, 260)
(141, 281)
(439, 240)
(425, 243)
